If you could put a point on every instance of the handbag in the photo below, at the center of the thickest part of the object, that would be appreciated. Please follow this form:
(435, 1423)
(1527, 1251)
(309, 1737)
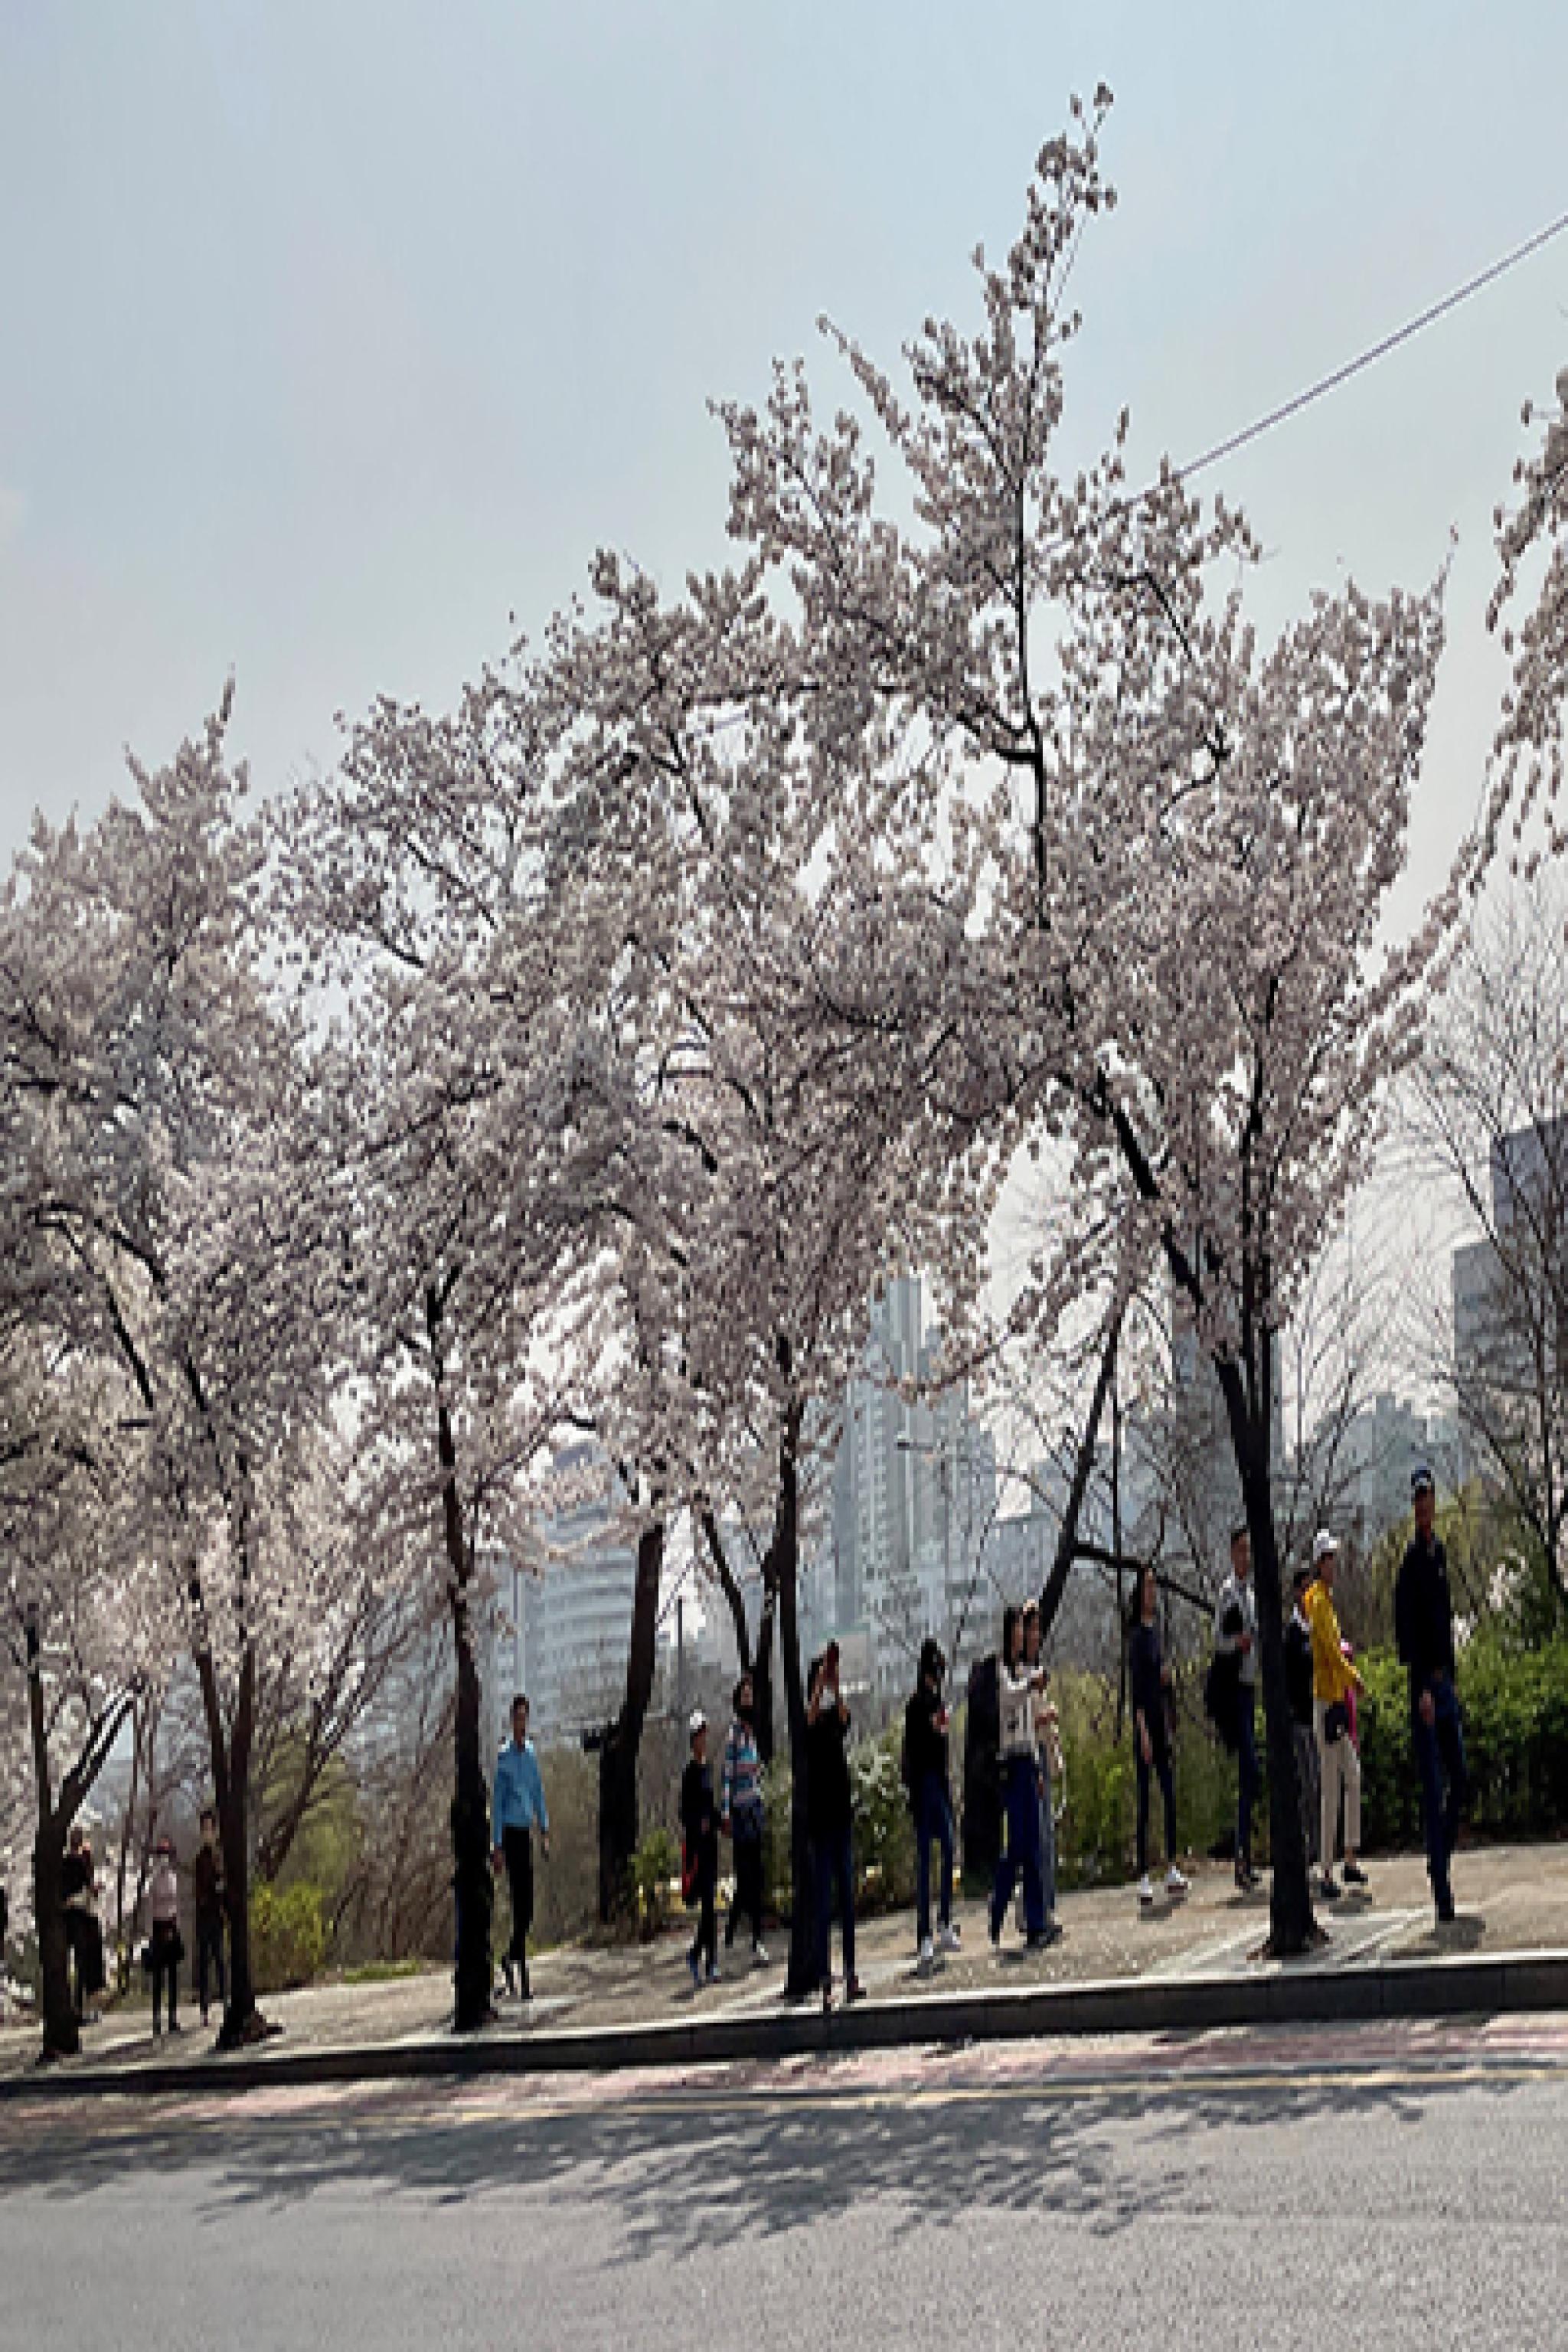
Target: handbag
(1336, 1723)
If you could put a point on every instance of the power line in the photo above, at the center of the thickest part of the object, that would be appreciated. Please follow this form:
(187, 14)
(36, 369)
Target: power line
(1364, 360)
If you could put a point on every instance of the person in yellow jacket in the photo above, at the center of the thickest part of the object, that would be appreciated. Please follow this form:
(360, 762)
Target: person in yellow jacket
(1334, 1679)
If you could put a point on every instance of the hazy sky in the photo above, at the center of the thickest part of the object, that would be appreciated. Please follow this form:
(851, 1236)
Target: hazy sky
(335, 336)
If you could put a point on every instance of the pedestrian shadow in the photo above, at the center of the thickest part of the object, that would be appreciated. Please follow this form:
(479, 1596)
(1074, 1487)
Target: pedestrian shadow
(936, 2138)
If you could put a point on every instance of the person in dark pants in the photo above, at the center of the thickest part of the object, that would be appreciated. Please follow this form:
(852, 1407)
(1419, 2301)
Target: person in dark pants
(1151, 1680)
(207, 1890)
(1236, 1637)
(1017, 1687)
(699, 1829)
(517, 1810)
(931, 1800)
(740, 1805)
(1424, 1630)
(829, 1814)
(1298, 1687)
(166, 1949)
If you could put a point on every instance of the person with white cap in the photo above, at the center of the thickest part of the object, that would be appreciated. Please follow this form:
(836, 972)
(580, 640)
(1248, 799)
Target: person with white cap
(1339, 1766)
(699, 1875)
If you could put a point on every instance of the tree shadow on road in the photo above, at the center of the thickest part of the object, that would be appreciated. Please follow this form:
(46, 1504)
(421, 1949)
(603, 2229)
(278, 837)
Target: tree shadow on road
(739, 2152)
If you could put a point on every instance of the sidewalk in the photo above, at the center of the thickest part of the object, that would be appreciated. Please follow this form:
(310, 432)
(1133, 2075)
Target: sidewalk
(1189, 1965)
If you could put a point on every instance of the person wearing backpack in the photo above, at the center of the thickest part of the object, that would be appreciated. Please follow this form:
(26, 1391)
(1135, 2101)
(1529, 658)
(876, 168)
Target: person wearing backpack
(830, 1816)
(1299, 1686)
(1235, 1639)
(930, 1803)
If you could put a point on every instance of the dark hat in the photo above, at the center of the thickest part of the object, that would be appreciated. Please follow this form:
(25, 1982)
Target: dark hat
(1421, 1481)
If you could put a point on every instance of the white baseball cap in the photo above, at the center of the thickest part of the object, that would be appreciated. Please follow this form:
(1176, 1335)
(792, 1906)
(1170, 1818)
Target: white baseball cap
(1324, 1546)
(697, 1722)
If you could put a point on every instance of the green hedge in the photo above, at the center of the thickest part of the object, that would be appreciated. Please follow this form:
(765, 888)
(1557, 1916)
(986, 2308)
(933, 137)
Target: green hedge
(1515, 1707)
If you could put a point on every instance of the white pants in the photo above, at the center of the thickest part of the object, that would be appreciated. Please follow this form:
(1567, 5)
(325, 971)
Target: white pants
(1339, 1767)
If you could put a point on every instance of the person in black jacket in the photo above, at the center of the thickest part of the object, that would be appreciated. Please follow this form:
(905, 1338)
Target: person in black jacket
(828, 1816)
(1151, 1682)
(1299, 1689)
(931, 1800)
(699, 1828)
(1423, 1629)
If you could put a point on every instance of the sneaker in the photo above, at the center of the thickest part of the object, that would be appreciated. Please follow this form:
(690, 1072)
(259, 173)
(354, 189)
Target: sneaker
(927, 1960)
(1246, 1877)
(1354, 1875)
(759, 1956)
(826, 1995)
(994, 1929)
(1175, 1885)
(1045, 1936)
(712, 1971)
(1328, 1887)
(948, 1938)
(509, 1976)
(693, 1972)
(1445, 1910)
(175, 2026)
(852, 1990)
(1145, 1891)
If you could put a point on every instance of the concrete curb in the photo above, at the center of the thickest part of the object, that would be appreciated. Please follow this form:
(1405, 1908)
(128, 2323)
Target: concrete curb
(1464, 1985)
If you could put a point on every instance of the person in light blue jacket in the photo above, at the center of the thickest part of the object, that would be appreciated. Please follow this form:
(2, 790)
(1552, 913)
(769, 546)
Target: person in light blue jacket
(518, 1809)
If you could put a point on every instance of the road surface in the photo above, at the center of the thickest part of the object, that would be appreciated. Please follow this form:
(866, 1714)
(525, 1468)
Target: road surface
(1389, 2186)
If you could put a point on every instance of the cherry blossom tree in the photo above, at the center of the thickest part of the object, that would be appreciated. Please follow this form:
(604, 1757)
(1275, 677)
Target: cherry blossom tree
(179, 1195)
(1532, 542)
(1180, 842)
(418, 876)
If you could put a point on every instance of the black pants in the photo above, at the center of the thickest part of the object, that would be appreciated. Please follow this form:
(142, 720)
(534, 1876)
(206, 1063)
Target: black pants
(209, 1957)
(165, 1971)
(705, 1944)
(517, 1847)
(1160, 1766)
(747, 1900)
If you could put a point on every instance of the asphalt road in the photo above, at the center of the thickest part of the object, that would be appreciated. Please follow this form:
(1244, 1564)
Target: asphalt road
(1393, 2187)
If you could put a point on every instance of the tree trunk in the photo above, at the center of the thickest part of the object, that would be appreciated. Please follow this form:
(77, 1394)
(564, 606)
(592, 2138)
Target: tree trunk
(473, 1884)
(473, 1880)
(800, 1978)
(618, 1823)
(1292, 1929)
(758, 1662)
(1067, 1550)
(62, 2038)
(230, 1758)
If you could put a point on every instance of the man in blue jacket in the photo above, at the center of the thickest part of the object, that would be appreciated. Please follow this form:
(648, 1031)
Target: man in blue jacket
(517, 1810)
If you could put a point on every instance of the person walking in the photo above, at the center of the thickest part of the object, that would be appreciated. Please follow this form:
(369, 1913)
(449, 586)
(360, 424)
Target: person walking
(829, 1813)
(1339, 1766)
(1236, 1637)
(1048, 1765)
(740, 1803)
(517, 1810)
(930, 1801)
(1423, 1633)
(167, 1948)
(1299, 1689)
(1150, 1677)
(700, 1836)
(207, 1895)
(1017, 1687)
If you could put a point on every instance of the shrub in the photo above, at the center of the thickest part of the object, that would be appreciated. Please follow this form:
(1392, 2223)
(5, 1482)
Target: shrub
(288, 1936)
(655, 1865)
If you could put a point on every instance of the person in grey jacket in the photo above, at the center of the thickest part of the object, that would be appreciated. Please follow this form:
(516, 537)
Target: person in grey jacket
(1236, 1635)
